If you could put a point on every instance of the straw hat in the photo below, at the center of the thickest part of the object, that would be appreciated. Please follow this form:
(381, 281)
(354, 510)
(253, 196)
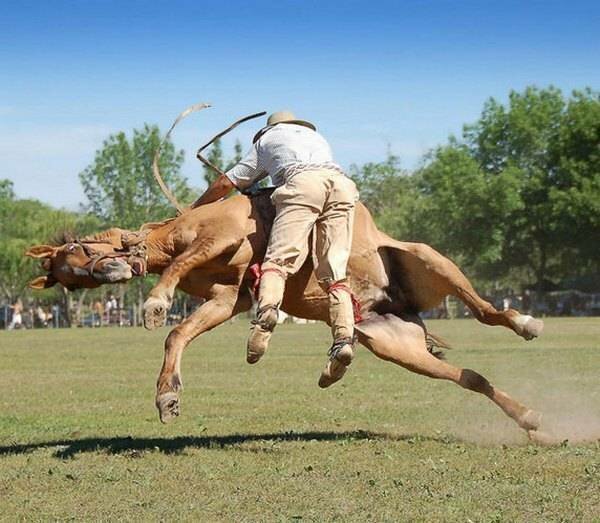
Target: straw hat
(282, 117)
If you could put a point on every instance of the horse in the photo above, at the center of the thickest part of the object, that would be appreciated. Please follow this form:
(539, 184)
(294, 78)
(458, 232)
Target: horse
(211, 251)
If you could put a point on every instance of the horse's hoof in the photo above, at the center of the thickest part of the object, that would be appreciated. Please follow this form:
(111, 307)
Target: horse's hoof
(530, 327)
(530, 421)
(541, 438)
(168, 406)
(155, 313)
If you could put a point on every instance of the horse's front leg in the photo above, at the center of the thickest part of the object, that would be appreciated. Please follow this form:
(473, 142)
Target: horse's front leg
(159, 300)
(225, 303)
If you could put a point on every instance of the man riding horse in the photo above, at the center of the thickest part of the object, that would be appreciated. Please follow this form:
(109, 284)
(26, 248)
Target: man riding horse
(312, 194)
(210, 252)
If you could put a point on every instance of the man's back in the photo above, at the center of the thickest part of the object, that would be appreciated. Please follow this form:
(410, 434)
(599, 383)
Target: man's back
(288, 144)
(279, 153)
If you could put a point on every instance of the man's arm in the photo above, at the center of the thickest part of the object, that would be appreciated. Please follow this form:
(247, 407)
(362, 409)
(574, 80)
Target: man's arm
(242, 175)
(220, 188)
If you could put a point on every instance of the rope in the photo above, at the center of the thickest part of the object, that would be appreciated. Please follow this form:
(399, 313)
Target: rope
(257, 273)
(220, 135)
(156, 171)
(356, 306)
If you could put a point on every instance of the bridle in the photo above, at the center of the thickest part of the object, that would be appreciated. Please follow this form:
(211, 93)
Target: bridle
(132, 253)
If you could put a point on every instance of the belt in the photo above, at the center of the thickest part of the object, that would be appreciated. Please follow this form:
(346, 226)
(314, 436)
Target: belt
(304, 167)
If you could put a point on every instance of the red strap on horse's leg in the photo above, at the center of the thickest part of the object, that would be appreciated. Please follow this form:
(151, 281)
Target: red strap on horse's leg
(356, 306)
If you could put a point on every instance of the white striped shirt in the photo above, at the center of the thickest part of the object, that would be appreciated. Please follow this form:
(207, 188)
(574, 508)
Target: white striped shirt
(282, 151)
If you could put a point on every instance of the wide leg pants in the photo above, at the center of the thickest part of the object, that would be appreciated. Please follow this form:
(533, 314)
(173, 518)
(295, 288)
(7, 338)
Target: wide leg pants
(322, 201)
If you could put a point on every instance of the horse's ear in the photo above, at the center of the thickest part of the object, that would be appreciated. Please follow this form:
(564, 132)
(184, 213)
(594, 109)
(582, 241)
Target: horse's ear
(41, 251)
(43, 282)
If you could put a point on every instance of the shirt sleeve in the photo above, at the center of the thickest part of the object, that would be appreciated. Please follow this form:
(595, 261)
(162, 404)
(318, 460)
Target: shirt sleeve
(246, 171)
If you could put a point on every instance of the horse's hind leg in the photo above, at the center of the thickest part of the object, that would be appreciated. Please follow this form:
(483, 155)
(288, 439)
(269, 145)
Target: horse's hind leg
(524, 325)
(437, 276)
(402, 341)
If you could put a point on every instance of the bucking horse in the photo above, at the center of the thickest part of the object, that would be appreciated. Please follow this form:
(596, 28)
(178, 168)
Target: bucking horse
(211, 252)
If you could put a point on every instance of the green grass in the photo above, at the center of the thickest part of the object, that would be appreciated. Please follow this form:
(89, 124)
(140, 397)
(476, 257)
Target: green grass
(80, 437)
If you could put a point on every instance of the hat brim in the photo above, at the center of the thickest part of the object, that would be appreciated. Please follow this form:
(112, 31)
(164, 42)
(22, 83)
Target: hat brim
(267, 127)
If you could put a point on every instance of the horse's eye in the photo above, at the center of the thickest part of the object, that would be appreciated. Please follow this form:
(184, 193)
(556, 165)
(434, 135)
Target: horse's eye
(71, 247)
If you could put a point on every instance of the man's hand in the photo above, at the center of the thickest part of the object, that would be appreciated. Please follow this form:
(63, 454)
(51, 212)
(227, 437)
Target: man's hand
(220, 188)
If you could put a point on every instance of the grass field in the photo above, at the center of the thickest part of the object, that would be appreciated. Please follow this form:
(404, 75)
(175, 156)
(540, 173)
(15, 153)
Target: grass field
(80, 438)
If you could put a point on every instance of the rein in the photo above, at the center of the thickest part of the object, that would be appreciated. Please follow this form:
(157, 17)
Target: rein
(220, 135)
(155, 163)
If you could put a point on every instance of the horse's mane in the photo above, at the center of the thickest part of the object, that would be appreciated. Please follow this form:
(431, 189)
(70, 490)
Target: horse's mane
(109, 235)
(69, 235)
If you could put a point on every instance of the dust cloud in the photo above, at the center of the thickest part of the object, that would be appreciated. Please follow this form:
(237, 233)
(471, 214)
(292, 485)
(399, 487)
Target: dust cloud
(570, 415)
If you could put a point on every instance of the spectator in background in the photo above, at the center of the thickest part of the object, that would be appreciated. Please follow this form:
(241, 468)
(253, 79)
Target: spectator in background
(111, 305)
(98, 311)
(41, 316)
(17, 317)
(55, 315)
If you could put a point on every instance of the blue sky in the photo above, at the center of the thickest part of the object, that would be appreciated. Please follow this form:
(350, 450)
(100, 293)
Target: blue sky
(368, 74)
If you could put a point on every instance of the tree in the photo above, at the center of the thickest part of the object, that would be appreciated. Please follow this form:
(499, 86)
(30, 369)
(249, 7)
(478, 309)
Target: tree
(237, 155)
(121, 189)
(214, 156)
(119, 184)
(6, 190)
(390, 194)
(516, 200)
(22, 224)
(524, 183)
(464, 208)
(575, 193)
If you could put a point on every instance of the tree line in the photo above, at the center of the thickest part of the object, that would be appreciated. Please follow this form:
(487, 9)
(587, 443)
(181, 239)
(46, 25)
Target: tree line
(514, 200)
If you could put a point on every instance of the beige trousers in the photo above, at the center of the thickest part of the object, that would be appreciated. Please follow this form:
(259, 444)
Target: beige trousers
(322, 201)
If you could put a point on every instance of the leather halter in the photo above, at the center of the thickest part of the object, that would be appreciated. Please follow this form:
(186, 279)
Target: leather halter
(133, 253)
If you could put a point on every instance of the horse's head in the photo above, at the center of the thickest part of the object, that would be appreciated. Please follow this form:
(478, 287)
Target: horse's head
(84, 264)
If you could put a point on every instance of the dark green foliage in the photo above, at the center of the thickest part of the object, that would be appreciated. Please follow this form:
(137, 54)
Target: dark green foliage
(216, 157)
(389, 193)
(516, 201)
(119, 184)
(550, 147)
(24, 223)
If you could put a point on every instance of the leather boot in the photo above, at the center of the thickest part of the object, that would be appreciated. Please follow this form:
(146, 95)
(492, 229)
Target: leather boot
(341, 318)
(340, 357)
(260, 333)
(270, 294)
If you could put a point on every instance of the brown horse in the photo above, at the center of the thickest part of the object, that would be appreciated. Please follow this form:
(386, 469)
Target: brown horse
(207, 252)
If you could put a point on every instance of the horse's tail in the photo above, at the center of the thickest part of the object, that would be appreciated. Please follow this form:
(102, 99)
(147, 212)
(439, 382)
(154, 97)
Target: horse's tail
(436, 345)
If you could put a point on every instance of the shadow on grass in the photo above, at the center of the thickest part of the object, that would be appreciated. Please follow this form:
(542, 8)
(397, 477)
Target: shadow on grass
(68, 448)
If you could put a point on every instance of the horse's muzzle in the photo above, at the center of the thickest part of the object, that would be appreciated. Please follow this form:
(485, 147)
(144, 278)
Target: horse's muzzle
(113, 271)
